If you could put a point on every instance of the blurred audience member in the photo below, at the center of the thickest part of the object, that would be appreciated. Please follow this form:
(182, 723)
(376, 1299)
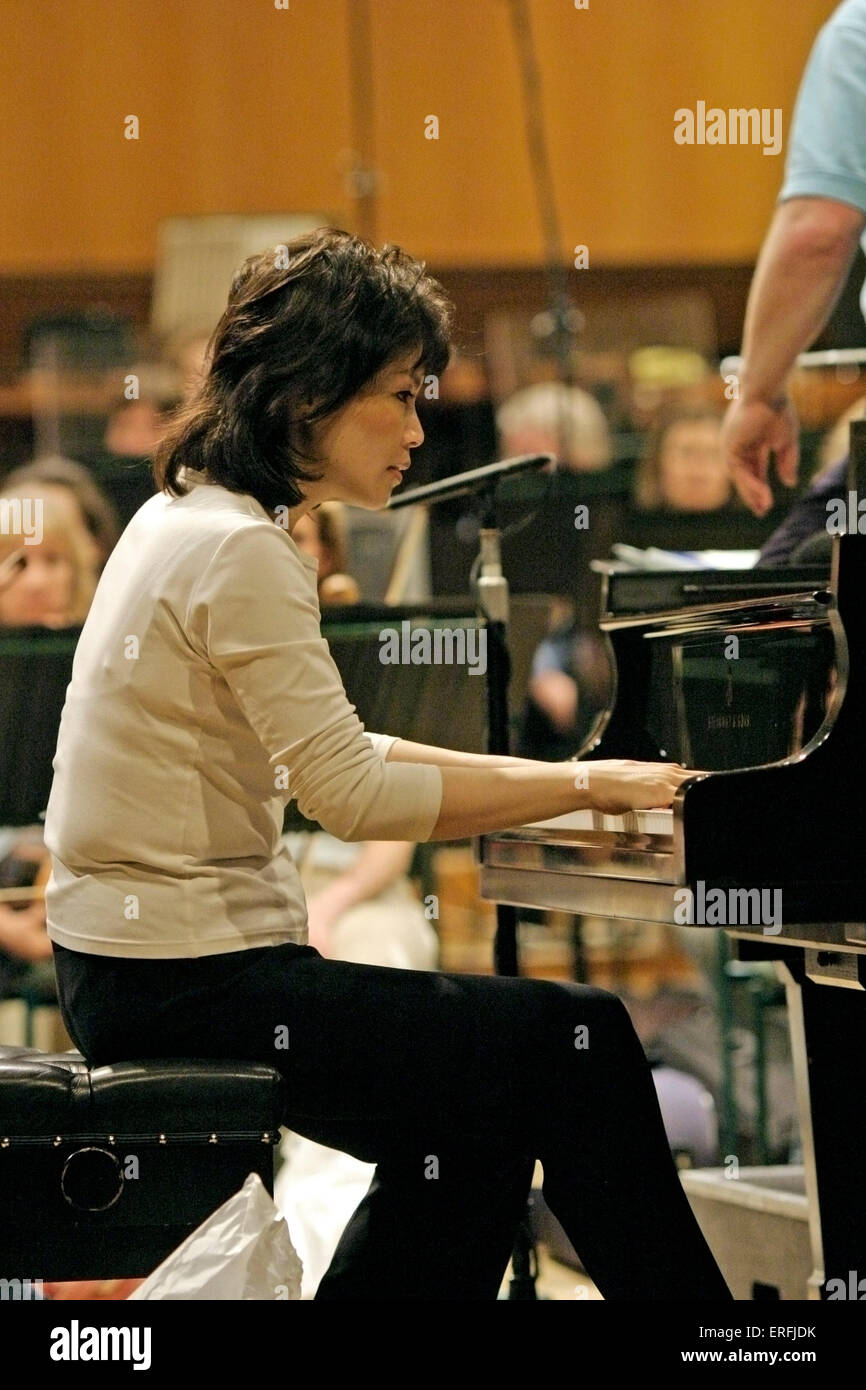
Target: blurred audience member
(50, 583)
(569, 688)
(136, 425)
(803, 537)
(663, 378)
(834, 445)
(683, 469)
(322, 534)
(73, 487)
(187, 353)
(25, 947)
(551, 418)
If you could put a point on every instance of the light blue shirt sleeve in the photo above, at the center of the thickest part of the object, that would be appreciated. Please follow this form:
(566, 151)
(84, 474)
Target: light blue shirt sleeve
(550, 655)
(827, 147)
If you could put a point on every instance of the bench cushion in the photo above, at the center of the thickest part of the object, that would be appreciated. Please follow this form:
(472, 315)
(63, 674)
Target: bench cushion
(104, 1171)
(43, 1095)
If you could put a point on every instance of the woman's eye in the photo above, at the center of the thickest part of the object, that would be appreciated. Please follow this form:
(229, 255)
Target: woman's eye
(406, 396)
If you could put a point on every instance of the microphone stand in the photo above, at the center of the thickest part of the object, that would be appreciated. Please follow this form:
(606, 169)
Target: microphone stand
(492, 594)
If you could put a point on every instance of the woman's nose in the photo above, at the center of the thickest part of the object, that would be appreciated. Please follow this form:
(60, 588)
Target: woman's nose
(414, 433)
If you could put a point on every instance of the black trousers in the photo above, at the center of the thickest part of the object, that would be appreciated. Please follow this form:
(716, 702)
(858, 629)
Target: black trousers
(452, 1085)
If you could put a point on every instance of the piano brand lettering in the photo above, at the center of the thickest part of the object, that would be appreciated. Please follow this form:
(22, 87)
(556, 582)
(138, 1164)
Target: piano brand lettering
(736, 126)
(443, 646)
(734, 907)
(846, 518)
(729, 721)
(76, 1343)
(22, 516)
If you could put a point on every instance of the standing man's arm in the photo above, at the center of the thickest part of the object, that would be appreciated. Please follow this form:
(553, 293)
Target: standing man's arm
(807, 252)
(801, 272)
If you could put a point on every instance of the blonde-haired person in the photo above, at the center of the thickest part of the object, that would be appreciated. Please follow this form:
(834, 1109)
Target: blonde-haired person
(49, 566)
(73, 487)
(48, 572)
(552, 418)
(47, 577)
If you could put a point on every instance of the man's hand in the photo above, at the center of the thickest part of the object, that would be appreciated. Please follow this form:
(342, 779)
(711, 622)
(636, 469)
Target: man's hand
(751, 431)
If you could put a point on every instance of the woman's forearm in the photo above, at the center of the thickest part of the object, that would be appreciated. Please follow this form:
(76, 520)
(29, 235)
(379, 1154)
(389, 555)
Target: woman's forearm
(476, 800)
(403, 751)
(799, 276)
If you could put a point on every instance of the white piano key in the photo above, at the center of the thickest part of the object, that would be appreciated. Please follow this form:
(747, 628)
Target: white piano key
(657, 822)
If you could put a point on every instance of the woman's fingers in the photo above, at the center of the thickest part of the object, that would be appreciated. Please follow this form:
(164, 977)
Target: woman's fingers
(620, 785)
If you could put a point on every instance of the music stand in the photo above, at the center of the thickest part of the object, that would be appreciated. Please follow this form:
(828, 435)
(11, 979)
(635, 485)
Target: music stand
(35, 670)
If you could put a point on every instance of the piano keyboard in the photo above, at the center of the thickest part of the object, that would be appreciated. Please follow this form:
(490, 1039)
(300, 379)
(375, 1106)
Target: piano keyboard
(572, 862)
(658, 822)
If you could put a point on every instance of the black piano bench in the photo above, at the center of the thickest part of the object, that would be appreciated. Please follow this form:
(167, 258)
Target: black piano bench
(104, 1171)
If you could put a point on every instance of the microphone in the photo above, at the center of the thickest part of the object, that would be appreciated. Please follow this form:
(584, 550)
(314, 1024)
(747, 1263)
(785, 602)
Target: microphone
(474, 480)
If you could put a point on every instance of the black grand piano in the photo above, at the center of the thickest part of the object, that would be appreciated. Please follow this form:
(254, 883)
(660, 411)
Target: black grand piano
(757, 680)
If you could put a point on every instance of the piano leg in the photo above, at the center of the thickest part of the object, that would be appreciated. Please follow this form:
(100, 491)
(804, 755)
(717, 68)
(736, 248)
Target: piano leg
(828, 1037)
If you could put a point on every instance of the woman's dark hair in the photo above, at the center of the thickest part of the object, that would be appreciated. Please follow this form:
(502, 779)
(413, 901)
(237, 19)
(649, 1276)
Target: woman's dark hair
(307, 326)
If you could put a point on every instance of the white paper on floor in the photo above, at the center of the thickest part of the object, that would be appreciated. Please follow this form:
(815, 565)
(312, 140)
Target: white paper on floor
(242, 1251)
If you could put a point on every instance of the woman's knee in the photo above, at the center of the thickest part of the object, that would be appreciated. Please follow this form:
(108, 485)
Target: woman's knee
(594, 1021)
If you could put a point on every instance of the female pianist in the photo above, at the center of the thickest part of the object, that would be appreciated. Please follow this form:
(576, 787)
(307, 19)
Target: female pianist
(203, 697)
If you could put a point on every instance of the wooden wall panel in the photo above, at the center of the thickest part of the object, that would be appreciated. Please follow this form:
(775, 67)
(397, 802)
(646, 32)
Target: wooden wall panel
(247, 108)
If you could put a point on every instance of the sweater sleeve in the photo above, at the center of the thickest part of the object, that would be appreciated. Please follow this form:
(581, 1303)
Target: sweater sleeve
(254, 616)
(383, 743)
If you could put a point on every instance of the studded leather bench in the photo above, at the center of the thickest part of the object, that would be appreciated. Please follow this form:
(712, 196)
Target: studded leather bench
(104, 1171)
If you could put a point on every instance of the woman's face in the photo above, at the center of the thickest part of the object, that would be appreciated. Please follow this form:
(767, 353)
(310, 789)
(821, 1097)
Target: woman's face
(692, 472)
(364, 447)
(41, 594)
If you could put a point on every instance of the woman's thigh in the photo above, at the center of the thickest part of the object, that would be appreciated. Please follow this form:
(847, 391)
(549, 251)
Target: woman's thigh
(372, 1056)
